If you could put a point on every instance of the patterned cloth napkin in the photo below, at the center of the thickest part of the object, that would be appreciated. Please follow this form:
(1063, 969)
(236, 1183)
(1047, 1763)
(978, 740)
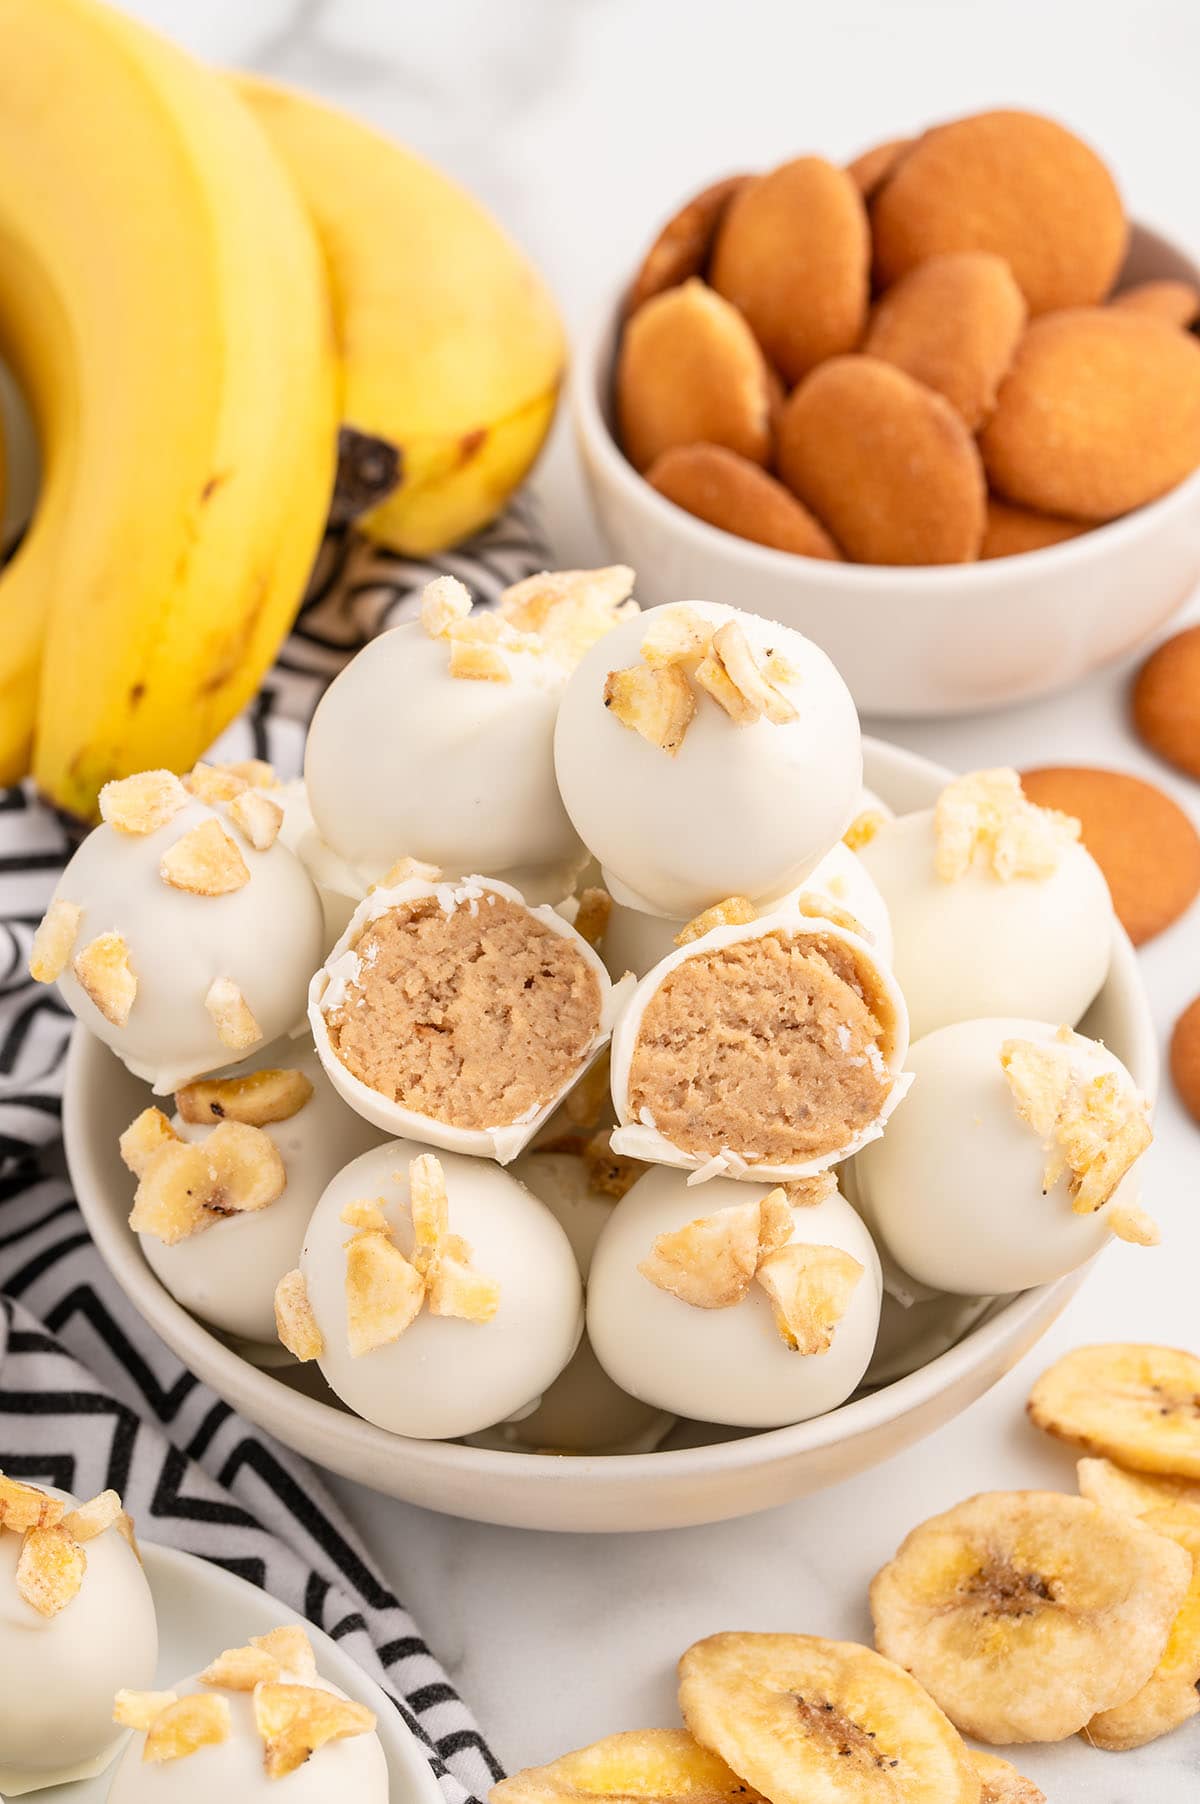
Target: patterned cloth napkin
(89, 1396)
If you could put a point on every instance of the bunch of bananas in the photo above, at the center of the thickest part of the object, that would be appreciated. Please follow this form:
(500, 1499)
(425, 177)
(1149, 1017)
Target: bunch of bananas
(201, 278)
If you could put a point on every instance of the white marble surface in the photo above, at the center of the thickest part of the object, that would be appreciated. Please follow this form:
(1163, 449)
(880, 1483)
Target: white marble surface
(580, 122)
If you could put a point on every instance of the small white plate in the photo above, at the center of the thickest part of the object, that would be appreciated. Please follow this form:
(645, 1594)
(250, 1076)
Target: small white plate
(202, 1609)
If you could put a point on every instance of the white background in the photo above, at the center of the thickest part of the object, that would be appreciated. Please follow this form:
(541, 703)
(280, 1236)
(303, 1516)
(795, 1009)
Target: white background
(581, 122)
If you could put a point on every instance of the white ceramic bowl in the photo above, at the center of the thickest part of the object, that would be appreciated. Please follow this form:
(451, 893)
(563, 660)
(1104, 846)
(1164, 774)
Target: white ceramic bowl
(715, 1473)
(948, 639)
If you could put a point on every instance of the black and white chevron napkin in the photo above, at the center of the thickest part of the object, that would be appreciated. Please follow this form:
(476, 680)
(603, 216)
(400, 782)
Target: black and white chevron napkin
(89, 1396)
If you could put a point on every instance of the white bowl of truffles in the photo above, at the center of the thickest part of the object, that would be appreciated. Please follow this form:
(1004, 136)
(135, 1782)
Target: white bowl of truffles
(763, 1101)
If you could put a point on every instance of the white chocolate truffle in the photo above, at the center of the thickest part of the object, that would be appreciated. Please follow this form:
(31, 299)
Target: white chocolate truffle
(913, 1335)
(340, 887)
(634, 941)
(980, 944)
(227, 1274)
(962, 1188)
(353, 1767)
(58, 1673)
(457, 1014)
(745, 809)
(766, 1050)
(727, 1364)
(445, 1376)
(406, 760)
(257, 944)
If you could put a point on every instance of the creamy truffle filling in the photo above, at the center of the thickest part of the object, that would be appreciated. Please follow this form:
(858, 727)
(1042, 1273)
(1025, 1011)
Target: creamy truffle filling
(476, 1017)
(771, 1047)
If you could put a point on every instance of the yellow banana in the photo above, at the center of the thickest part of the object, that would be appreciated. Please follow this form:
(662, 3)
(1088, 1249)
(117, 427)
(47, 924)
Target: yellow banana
(163, 302)
(451, 346)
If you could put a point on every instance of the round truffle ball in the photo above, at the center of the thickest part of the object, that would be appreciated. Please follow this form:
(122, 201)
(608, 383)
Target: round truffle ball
(978, 944)
(227, 1274)
(726, 1364)
(913, 1334)
(445, 1375)
(214, 975)
(353, 1766)
(962, 1188)
(60, 1671)
(405, 760)
(732, 809)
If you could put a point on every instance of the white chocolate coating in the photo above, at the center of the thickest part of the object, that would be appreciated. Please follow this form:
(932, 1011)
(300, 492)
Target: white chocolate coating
(445, 1377)
(266, 936)
(722, 1365)
(640, 1139)
(340, 887)
(635, 940)
(964, 950)
(504, 1141)
(227, 1275)
(234, 1772)
(738, 810)
(404, 760)
(910, 1337)
(954, 1189)
(58, 1673)
(560, 1180)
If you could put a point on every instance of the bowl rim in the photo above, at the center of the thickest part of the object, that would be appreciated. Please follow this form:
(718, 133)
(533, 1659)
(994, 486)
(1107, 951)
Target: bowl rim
(304, 1422)
(591, 371)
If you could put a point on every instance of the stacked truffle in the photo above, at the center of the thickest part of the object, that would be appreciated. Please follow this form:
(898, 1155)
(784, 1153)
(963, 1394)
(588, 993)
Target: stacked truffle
(918, 359)
(627, 979)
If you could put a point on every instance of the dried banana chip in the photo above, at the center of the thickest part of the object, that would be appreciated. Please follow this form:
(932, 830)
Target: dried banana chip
(384, 1292)
(810, 1288)
(535, 602)
(863, 828)
(240, 1669)
(87, 1520)
(610, 1174)
(295, 1720)
(709, 1263)
(261, 1097)
(104, 973)
(986, 813)
(24, 1507)
(50, 1569)
(1135, 1492)
(257, 818)
(591, 917)
(430, 1209)
(808, 1721)
(146, 1134)
(231, 1015)
(1169, 1697)
(295, 1323)
(1138, 1405)
(213, 783)
(142, 803)
(456, 1289)
(54, 941)
(677, 636)
(1002, 1783)
(290, 1645)
(748, 675)
(363, 1213)
(204, 862)
(200, 1720)
(408, 870)
(138, 1709)
(479, 663)
(653, 1766)
(711, 676)
(1024, 1613)
(185, 1188)
(657, 703)
(734, 911)
(444, 603)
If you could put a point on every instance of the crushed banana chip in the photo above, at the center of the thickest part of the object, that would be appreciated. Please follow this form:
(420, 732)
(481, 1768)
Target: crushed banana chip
(711, 675)
(610, 1174)
(144, 803)
(653, 1766)
(810, 1288)
(1026, 1613)
(146, 1135)
(734, 911)
(258, 1098)
(806, 1193)
(800, 1718)
(23, 1507)
(186, 1188)
(478, 662)
(257, 818)
(290, 1645)
(1170, 1696)
(138, 1709)
(822, 907)
(986, 815)
(444, 603)
(676, 636)
(430, 1210)
(1134, 1226)
(748, 675)
(1095, 1127)
(384, 1292)
(87, 1520)
(255, 773)
(205, 862)
(1135, 1492)
(710, 1262)
(54, 941)
(200, 1720)
(366, 1215)
(591, 917)
(1137, 1405)
(534, 602)
(295, 1323)
(456, 1289)
(124, 1527)
(235, 1024)
(214, 783)
(657, 703)
(295, 1720)
(1001, 1783)
(50, 1569)
(863, 828)
(408, 870)
(241, 1669)
(106, 976)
